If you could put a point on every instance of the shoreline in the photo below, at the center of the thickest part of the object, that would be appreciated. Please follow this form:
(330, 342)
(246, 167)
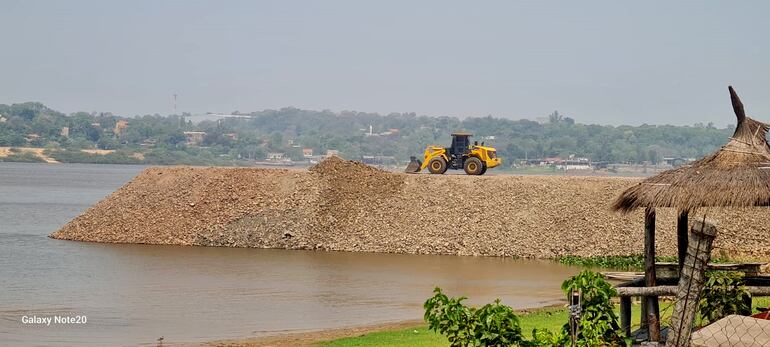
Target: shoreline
(315, 337)
(308, 338)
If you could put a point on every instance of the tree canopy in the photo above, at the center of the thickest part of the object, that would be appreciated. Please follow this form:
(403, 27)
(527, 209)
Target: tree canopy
(355, 134)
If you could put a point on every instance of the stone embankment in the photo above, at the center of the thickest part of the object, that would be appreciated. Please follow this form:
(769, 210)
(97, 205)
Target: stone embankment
(347, 206)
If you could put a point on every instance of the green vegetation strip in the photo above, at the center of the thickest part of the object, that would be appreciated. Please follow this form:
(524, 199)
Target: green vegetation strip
(550, 318)
(620, 262)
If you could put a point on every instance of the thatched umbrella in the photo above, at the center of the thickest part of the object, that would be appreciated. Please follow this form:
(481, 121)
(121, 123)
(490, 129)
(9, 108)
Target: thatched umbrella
(737, 175)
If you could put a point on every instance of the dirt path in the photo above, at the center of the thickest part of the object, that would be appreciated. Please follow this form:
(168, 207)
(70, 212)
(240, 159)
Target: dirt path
(6, 151)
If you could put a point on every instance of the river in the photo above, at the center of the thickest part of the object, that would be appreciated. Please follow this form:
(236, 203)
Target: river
(133, 294)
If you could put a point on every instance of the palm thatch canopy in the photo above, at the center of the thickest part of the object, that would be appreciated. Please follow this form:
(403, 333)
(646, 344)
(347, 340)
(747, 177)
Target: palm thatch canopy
(737, 175)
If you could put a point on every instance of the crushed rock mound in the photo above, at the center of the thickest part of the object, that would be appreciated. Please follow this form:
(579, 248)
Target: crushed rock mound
(349, 206)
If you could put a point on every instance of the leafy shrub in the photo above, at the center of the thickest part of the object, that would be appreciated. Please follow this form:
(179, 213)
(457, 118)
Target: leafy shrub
(497, 325)
(492, 325)
(546, 338)
(598, 325)
(724, 294)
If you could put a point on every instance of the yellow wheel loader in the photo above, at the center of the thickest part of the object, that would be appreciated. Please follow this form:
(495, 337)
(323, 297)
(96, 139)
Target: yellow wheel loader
(475, 159)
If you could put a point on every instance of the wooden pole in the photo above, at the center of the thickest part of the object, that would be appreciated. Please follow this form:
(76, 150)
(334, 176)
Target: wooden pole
(653, 312)
(691, 283)
(681, 236)
(625, 315)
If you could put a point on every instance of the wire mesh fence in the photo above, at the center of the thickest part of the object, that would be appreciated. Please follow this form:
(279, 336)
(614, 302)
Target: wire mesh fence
(734, 330)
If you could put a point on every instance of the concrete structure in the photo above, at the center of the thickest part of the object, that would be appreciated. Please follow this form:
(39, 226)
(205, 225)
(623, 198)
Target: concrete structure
(120, 128)
(194, 138)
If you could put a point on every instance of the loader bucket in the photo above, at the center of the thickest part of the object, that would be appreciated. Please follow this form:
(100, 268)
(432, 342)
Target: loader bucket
(414, 165)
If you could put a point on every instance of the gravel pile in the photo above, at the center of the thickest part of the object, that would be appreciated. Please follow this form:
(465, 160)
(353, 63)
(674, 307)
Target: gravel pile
(348, 206)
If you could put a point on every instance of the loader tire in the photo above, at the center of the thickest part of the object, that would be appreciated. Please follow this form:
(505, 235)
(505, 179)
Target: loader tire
(473, 166)
(437, 165)
(483, 170)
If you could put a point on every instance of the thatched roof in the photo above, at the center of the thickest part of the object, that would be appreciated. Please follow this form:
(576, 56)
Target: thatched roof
(737, 175)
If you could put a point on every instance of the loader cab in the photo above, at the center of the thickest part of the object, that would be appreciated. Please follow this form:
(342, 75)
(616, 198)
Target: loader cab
(461, 145)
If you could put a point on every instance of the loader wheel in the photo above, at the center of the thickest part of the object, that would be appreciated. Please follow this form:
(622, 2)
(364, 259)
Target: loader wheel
(483, 170)
(473, 166)
(437, 165)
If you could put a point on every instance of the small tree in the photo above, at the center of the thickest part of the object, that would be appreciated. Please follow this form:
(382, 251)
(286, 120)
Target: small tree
(724, 294)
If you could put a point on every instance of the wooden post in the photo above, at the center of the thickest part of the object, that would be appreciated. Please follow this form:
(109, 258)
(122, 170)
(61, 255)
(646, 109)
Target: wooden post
(625, 314)
(691, 283)
(653, 312)
(681, 238)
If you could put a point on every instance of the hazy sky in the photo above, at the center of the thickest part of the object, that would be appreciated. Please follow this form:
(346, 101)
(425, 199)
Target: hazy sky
(599, 62)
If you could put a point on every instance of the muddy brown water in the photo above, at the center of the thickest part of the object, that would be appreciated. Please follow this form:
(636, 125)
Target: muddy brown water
(134, 294)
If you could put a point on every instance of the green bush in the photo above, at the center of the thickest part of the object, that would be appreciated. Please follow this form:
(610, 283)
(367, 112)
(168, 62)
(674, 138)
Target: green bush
(724, 294)
(497, 325)
(492, 325)
(598, 325)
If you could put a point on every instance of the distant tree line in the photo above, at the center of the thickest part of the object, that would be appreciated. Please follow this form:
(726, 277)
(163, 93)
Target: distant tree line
(353, 134)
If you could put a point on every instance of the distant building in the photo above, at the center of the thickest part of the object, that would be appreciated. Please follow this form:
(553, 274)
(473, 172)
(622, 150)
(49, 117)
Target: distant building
(275, 156)
(65, 131)
(572, 163)
(391, 131)
(120, 128)
(378, 160)
(232, 136)
(676, 162)
(148, 143)
(575, 164)
(2, 119)
(307, 152)
(332, 153)
(194, 138)
(32, 137)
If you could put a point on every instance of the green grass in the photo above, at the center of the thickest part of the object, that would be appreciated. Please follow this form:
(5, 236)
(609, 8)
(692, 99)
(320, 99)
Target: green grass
(418, 337)
(550, 318)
